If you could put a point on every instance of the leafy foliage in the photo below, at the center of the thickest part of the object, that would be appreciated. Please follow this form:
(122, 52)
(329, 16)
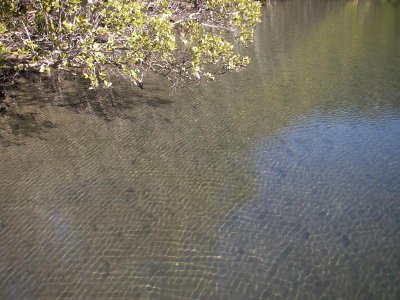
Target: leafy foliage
(181, 40)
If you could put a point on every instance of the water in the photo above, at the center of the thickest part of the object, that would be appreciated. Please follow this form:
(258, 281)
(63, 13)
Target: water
(279, 182)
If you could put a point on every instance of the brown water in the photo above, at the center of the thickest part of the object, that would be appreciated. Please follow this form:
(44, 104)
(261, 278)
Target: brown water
(279, 182)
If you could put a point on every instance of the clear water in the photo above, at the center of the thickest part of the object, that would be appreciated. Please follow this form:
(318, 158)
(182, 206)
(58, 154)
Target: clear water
(279, 182)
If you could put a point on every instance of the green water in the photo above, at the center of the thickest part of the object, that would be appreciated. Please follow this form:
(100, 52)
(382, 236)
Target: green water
(279, 182)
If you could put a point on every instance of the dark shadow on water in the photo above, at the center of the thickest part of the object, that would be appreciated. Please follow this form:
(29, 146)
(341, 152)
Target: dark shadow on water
(32, 93)
(15, 125)
(157, 102)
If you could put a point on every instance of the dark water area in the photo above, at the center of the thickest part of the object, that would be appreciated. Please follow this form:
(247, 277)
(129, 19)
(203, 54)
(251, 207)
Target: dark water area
(279, 182)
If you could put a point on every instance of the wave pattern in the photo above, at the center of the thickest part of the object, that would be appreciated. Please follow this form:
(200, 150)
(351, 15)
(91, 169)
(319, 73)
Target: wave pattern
(281, 182)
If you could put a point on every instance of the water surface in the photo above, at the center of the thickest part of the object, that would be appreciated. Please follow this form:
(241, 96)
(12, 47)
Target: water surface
(279, 182)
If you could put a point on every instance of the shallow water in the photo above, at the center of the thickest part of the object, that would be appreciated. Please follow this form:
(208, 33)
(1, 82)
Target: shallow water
(279, 182)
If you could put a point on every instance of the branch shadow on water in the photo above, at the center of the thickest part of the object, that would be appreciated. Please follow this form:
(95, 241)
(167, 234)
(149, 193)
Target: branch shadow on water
(33, 94)
(15, 127)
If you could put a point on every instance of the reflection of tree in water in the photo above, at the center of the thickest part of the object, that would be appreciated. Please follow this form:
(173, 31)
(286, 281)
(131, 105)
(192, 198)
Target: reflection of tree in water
(333, 63)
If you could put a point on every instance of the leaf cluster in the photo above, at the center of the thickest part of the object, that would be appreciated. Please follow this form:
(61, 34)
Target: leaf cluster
(181, 40)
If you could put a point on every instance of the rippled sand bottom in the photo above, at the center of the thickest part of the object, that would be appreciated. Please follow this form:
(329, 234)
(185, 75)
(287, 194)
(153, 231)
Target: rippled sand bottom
(284, 187)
